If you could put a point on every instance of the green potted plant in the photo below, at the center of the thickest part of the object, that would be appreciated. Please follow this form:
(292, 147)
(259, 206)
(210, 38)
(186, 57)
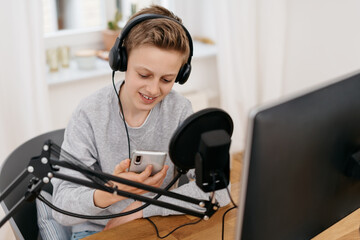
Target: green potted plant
(112, 32)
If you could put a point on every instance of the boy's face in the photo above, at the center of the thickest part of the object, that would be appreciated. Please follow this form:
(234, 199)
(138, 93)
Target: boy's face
(150, 76)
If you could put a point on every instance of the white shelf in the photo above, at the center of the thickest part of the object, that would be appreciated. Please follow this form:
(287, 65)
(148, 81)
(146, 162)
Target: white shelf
(73, 73)
(202, 50)
(103, 69)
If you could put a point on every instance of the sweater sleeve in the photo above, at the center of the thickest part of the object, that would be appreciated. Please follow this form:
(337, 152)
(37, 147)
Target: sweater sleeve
(79, 142)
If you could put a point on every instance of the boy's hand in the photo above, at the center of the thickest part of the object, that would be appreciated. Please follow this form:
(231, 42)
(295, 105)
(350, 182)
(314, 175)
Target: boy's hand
(104, 199)
(143, 177)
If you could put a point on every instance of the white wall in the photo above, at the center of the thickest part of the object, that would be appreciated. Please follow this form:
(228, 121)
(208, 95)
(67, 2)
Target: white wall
(198, 16)
(322, 41)
(271, 48)
(304, 43)
(64, 97)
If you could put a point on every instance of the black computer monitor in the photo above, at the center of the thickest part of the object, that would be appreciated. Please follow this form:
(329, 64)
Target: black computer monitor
(300, 173)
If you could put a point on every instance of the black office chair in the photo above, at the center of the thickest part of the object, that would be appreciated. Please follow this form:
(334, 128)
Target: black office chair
(24, 221)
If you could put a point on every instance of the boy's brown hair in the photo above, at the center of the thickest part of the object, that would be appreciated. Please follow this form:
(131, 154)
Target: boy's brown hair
(160, 32)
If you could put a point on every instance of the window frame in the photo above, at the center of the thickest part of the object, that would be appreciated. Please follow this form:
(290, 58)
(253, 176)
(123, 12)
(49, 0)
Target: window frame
(81, 38)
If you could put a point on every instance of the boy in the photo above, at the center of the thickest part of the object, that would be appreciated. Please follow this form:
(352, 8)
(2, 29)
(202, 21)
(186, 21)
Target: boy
(156, 49)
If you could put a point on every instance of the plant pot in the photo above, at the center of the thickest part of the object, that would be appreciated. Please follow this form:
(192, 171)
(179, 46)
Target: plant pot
(109, 38)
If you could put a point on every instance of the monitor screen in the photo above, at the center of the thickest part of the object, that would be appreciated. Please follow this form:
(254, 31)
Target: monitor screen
(300, 174)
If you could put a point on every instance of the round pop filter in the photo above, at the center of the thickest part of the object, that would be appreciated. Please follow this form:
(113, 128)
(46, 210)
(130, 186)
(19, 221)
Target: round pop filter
(184, 143)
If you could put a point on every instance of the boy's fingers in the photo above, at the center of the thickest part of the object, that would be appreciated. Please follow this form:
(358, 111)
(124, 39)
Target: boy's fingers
(122, 166)
(164, 169)
(146, 173)
(159, 177)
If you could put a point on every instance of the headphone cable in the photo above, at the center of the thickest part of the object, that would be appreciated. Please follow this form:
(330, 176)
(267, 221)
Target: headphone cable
(122, 112)
(128, 138)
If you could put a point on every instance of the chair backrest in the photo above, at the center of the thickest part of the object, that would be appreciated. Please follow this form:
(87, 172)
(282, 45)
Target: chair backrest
(24, 221)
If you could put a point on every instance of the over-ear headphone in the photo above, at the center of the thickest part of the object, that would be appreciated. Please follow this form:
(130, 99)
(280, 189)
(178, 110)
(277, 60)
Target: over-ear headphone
(118, 55)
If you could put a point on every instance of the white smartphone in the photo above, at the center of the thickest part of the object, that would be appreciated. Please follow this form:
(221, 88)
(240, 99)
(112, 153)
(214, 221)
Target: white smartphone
(140, 159)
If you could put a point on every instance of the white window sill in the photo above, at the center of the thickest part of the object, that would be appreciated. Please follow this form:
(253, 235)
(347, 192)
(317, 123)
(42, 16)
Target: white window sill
(65, 75)
(73, 73)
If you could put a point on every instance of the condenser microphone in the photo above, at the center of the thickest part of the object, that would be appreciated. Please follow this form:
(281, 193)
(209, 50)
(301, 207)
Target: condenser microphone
(212, 161)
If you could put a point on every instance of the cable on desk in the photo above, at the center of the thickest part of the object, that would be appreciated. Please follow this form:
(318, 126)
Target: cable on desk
(223, 218)
(186, 224)
(172, 231)
(192, 223)
(223, 221)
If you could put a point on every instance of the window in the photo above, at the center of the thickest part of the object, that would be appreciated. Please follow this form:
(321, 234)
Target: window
(79, 23)
(69, 14)
(129, 7)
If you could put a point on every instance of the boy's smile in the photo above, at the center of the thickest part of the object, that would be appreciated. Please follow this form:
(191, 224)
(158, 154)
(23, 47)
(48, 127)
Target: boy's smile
(150, 76)
(147, 99)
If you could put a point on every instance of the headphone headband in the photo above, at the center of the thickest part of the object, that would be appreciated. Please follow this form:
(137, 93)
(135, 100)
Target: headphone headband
(118, 56)
(143, 17)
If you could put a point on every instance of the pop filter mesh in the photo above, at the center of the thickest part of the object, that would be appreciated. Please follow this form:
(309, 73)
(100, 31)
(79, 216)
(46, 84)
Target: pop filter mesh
(184, 143)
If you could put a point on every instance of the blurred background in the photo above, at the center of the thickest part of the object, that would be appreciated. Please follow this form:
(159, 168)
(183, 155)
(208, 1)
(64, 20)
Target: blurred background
(246, 53)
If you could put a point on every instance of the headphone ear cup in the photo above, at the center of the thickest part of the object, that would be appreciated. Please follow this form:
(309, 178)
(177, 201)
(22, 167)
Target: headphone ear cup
(114, 58)
(123, 59)
(183, 74)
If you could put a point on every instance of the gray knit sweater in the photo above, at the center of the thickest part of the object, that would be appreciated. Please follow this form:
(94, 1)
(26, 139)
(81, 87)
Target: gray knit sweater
(96, 135)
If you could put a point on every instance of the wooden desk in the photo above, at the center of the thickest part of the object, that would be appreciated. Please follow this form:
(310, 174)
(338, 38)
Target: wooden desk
(346, 229)
(209, 230)
(142, 229)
